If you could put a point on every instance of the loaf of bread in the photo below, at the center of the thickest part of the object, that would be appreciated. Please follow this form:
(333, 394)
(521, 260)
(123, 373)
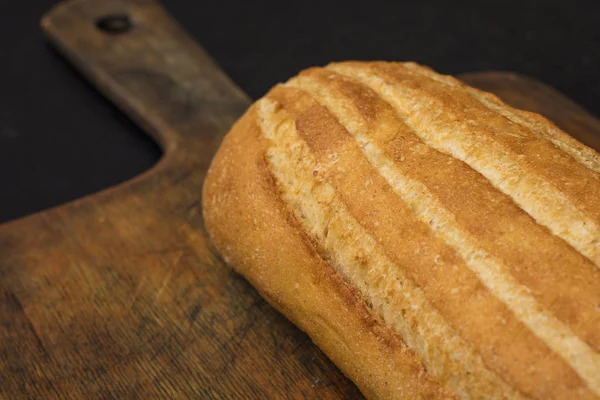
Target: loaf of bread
(432, 241)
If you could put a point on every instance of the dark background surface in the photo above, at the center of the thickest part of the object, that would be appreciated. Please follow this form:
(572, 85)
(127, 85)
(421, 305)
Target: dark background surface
(60, 140)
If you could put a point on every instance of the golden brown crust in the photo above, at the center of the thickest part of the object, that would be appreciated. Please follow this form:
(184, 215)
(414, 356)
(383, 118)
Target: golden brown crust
(502, 228)
(498, 294)
(494, 328)
(449, 120)
(243, 215)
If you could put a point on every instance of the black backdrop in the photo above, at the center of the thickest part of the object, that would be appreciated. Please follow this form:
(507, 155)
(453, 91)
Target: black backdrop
(60, 140)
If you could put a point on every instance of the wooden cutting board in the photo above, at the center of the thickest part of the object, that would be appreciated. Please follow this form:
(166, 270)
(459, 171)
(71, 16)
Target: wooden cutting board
(119, 294)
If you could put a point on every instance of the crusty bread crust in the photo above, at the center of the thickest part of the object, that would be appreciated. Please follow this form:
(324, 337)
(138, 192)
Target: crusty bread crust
(257, 235)
(434, 242)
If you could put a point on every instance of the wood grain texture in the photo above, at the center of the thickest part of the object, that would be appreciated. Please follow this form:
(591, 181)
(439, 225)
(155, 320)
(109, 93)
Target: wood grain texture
(119, 294)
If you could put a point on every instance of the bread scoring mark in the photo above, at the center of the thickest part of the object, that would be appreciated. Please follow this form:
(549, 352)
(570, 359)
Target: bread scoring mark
(359, 259)
(490, 269)
(501, 227)
(537, 124)
(437, 126)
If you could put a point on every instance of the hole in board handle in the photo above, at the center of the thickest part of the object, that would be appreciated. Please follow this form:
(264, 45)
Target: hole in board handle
(114, 23)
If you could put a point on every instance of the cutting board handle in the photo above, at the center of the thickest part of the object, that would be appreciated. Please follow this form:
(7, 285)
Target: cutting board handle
(141, 59)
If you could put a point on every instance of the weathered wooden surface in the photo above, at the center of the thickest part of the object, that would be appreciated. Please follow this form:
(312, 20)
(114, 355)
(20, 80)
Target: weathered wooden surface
(119, 294)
